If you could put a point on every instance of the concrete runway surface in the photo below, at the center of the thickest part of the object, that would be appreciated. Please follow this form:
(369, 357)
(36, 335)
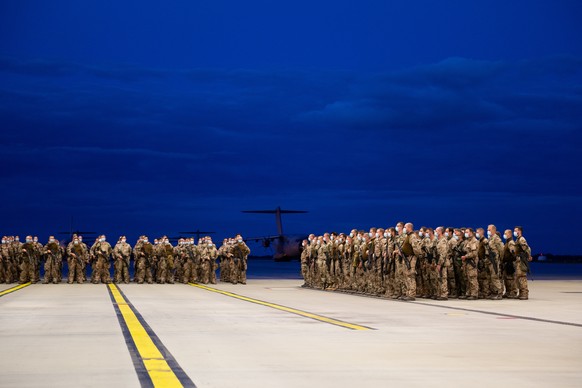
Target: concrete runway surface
(273, 333)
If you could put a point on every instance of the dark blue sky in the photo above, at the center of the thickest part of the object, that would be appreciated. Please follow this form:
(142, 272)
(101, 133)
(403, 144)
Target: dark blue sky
(153, 117)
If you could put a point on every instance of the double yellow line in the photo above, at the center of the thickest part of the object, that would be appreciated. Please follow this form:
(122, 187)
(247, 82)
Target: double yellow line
(156, 364)
(16, 288)
(291, 310)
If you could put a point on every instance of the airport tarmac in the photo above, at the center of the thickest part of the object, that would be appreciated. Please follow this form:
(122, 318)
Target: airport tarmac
(273, 333)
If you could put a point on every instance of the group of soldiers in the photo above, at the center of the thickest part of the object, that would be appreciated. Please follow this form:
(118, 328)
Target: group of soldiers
(160, 262)
(403, 263)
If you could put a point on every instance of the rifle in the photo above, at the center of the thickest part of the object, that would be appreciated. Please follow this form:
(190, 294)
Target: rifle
(524, 258)
(51, 259)
(406, 261)
(371, 260)
(493, 260)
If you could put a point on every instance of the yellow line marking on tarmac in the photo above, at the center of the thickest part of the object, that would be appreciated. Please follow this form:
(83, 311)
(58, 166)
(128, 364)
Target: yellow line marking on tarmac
(306, 314)
(157, 367)
(16, 288)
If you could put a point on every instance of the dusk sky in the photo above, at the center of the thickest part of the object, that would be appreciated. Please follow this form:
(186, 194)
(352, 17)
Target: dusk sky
(157, 116)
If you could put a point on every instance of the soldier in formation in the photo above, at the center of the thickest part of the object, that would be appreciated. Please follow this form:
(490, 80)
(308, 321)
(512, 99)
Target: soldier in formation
(159, 262)
(404, 263)
(233, 256)
(77, 257)
(121, 257)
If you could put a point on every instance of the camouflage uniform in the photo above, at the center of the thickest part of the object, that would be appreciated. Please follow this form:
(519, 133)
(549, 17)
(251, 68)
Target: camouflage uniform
(192, 258)
(208, 255)
(122, 257)
(358, 273)
(492, 283)
(425, 267)
(38, 253)
(380, 261)
(10, 270)
(400, 268)
(6, 263)
(333, 264)
(411, 248)
(347, 265)
(443, 261)
(390, 268)
(452, 283)
(27, 266)
(2, 264)
(179, 261)
(240, 255)
(165, 272)
(509, 277)
(224, 255)
(52, 269)
(471, 262)
(522, 266)
(305, 266)
(102, 252)
(143, 254)
(76, 255)
(16, 255)
(321, 264)
(459, 268)
(482, 275)
(340, 263)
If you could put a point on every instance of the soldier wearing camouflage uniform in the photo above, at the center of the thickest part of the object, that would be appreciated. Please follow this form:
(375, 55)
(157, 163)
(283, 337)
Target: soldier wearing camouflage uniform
(240, 252)
(345, 262)
(482, 267)
(179, 260)
(101, 251)
(509, 259)
(76, 256)
(493, 250)
(451, 274)
(165, 270)
(305, 264)
(191, 262)
(411, 249)
(431, 276)
(53, 257)
(442, 264)
(10, 261)
(16, 255)
(459, 264)
(27, 259)
(2, 261)
(121, 257)
(208, 255)
(224, 264)
(38, 252)
(471, 261)
(389, 262)
(143, 253)
(359, 255)
(334, 259)
(496, 251)
(522, 257)
(379, 261)
(400, 265)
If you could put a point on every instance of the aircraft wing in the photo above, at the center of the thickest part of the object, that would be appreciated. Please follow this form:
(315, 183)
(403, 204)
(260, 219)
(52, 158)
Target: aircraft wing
(261, 238)
(273, 211)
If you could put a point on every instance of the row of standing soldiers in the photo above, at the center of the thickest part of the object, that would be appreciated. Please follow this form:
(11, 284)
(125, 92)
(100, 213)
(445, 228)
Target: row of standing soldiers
(401, 263)
(158, 262)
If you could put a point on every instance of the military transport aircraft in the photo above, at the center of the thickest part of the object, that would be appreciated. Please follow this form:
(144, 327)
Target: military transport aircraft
(287, 247)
